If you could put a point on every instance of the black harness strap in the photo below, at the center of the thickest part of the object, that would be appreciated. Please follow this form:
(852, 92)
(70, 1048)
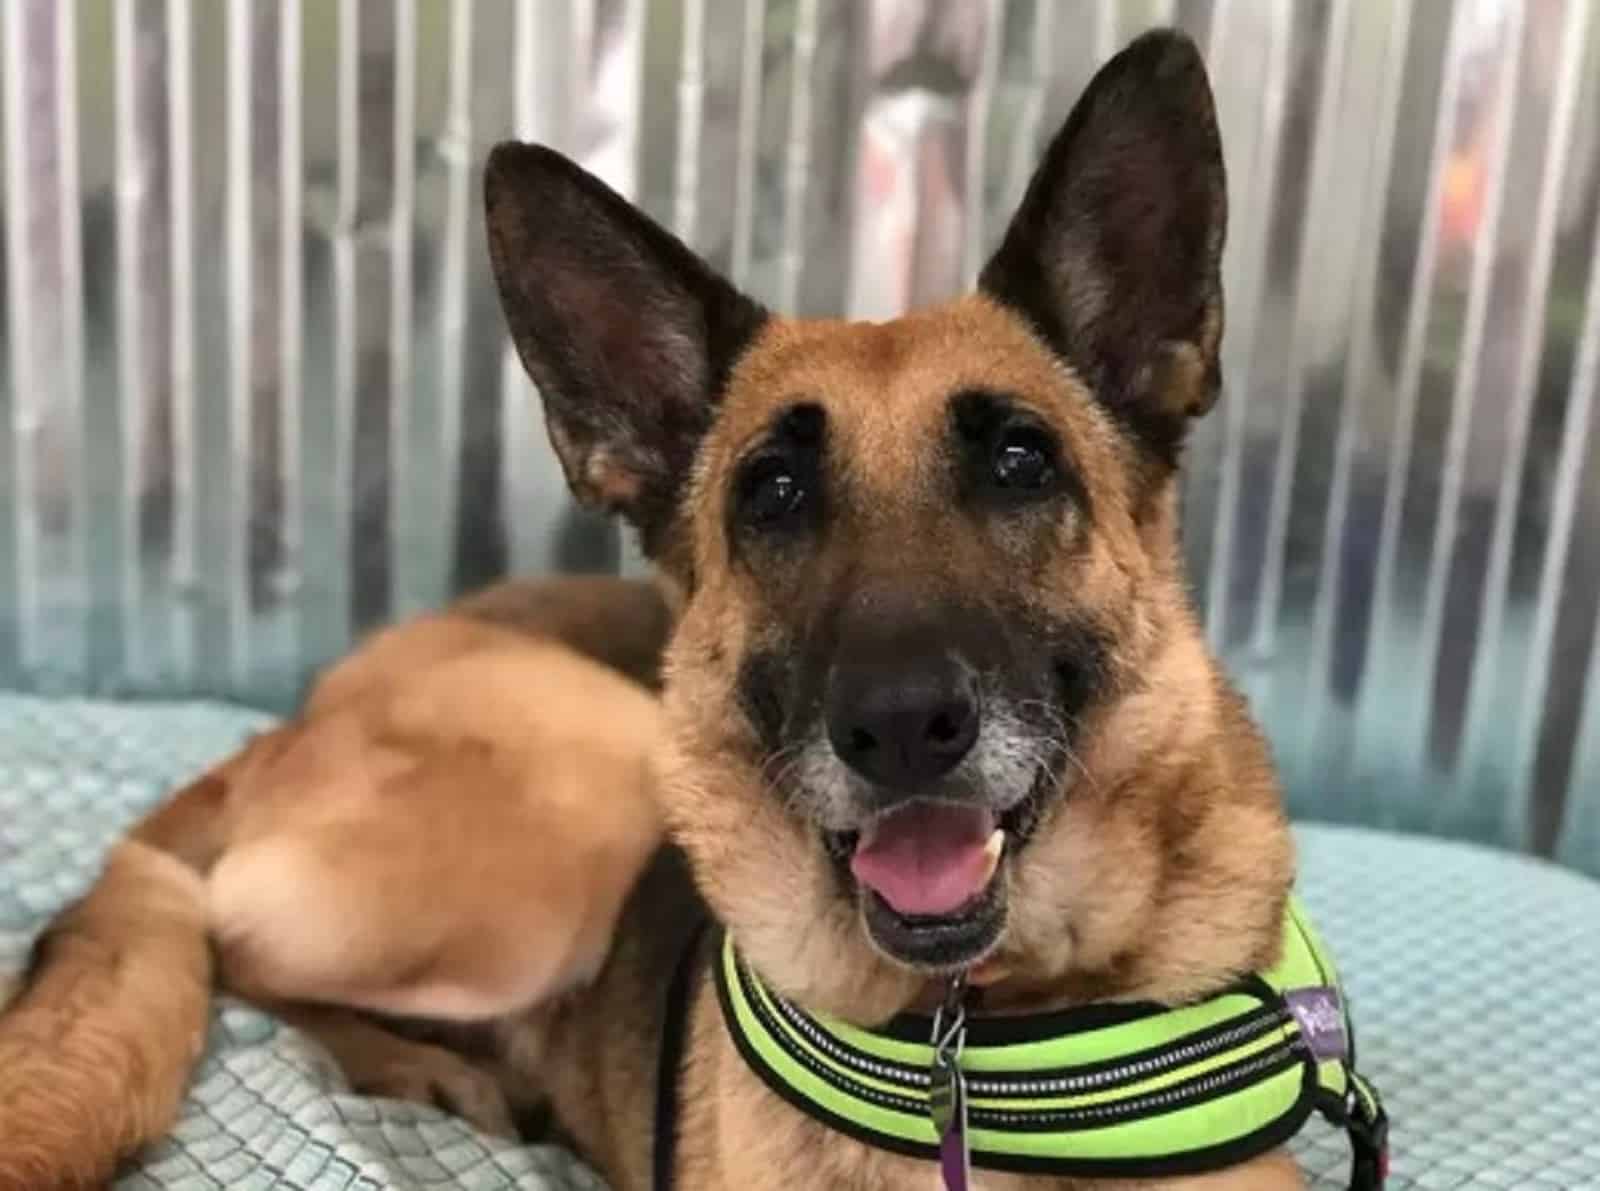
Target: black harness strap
(1367, 1126)
(1369, 1169)
(675, 1029)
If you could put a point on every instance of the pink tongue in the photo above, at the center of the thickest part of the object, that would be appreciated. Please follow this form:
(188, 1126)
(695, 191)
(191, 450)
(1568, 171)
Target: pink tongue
(925, 858)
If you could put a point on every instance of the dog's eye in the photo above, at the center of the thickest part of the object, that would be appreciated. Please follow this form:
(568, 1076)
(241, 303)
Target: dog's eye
(1022, 459)
(771, 493)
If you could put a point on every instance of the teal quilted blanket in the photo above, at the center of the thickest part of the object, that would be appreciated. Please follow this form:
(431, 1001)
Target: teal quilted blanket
(1472, 976)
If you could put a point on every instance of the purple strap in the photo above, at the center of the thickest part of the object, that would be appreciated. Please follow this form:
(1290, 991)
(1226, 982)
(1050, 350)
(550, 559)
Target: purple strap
(953, 1159)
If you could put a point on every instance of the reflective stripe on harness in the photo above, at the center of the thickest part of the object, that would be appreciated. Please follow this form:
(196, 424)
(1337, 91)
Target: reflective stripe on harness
(1099, 1091)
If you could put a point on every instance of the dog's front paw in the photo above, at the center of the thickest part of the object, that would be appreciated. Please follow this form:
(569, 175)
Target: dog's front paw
(431, 1075)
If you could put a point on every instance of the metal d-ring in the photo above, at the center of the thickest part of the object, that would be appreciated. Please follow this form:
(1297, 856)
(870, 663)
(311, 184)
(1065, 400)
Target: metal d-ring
(952, 1012)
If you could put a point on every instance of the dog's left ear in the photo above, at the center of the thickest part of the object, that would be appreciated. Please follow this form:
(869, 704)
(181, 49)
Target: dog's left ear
(627, 333)
(1114, 256)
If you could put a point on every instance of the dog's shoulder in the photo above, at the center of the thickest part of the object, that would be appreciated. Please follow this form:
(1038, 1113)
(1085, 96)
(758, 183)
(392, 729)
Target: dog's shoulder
(596, 1054)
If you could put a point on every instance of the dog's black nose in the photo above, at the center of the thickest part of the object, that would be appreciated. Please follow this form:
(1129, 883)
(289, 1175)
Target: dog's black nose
(902, 724)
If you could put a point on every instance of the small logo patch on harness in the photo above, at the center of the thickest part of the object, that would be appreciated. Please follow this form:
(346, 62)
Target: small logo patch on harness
(1321, 1018)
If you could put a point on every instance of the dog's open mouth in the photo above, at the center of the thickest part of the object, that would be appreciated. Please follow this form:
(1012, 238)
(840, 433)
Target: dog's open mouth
(929, 860)
(929, 877)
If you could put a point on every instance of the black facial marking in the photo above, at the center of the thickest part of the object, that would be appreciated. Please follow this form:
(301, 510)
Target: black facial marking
(762, 678)
(802, 424)
(1007, 457)
(1080, 656)
(777, 489)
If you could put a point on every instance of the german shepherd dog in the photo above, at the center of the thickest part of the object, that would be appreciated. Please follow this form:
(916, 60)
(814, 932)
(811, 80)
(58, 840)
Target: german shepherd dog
(933, 700)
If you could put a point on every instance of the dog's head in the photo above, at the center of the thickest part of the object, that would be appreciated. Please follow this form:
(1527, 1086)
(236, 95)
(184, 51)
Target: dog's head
(937, 697)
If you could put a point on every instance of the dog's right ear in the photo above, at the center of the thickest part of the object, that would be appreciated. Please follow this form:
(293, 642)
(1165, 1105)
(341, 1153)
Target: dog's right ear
(627, 333)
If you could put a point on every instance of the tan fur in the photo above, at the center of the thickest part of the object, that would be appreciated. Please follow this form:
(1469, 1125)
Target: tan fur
(464, 779)
(1164, 867)
(1173, 766)
(449, 828)
(375, 853)
(378, 852)
(95, 1052)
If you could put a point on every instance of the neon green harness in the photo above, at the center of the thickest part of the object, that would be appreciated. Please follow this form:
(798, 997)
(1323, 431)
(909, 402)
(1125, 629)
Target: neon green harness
(1101, 1091)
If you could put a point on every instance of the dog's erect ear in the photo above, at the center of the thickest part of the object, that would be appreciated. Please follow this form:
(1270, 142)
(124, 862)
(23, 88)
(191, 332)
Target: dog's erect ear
(1114, 255)
(627, 333)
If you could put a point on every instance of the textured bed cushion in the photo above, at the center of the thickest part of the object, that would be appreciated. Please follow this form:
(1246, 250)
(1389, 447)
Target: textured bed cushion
(1473, 977)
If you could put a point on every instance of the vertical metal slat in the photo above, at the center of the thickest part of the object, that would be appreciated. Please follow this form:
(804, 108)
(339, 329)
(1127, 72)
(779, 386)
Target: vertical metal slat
(1106, 28)
(1269, 604)
(1201, 484)
(975, 222)
(608, 105)
(132, 397)
(373, 78)
(1464, 396)
(744, 201)
(1381, 634)
(345, 328)
(291, 322)
(180, 138)
(456, 148)
(20, 533)
(69, 416)
(534, 499)
(407, 491)
(1248, 268)
(482, 544)
(266, 620)
(240, 312)
(1581, 826)
(1485, 688)
(1359, 365)
(1023, 158)
(797, 156)
(44, 267)
(691, 119)
(131, 184)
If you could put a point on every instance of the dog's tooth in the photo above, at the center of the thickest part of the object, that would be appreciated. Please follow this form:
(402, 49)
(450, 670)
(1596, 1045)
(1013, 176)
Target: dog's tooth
(993, 850)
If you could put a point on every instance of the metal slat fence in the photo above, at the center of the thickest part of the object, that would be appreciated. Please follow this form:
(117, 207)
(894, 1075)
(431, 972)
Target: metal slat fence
(255, 397)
